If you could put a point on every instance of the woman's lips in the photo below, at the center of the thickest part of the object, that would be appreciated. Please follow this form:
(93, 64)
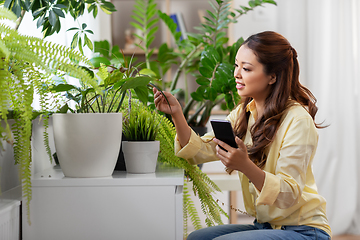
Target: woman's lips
(239, 85)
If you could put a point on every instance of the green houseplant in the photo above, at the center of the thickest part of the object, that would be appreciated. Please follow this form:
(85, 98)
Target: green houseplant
(205, 55)
(113, 85)
(27, 66)
(140, 128)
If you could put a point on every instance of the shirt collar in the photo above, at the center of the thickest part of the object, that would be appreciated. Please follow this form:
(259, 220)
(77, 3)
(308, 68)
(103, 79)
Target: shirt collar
(251, 107)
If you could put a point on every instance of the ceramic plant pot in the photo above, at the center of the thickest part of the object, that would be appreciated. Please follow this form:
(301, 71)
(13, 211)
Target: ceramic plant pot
(87, 144)
(141, 157)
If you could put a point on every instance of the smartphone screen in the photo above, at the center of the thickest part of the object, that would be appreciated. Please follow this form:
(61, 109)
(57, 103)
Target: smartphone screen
(224, 132)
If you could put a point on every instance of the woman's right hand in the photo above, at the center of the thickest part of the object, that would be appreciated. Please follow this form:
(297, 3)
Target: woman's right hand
(163, 105)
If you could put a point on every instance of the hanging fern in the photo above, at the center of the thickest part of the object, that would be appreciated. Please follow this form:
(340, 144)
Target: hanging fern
(203, 186)
(27, 66)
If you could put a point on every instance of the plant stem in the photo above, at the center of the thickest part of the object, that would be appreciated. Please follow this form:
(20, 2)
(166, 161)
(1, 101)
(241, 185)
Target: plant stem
(182, 65)
(22, 14)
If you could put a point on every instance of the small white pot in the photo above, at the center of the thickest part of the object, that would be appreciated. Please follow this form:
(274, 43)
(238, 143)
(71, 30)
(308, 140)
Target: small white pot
(87, 144)
(141, 157)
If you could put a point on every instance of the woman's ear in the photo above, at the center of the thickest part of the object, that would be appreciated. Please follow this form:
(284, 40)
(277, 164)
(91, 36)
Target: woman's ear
(272, 79)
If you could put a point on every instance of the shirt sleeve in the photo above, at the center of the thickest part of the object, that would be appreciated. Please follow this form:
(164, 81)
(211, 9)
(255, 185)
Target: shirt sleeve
(198, 150)
(202, 149)
(284, 188)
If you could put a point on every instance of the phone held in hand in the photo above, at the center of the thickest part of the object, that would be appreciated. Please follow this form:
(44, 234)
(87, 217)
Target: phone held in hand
(224, 132)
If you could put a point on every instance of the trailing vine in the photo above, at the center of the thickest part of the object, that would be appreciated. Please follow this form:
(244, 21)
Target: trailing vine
(203, 186)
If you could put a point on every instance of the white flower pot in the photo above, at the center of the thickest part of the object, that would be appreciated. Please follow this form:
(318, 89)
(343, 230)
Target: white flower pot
(141, 157)
(87, 144)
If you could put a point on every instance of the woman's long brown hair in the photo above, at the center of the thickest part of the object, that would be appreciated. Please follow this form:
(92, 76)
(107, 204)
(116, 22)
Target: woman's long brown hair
(278, 57)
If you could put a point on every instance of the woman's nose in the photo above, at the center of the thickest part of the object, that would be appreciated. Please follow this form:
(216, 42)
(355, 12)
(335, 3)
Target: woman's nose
(237, 73)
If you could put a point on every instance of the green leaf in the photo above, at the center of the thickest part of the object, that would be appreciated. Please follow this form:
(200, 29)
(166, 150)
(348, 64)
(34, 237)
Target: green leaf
(60, 6)
(102, 47)
(196, 96)
(38, 11)
(246, 9)
(229, 101)
(58, 12)
(95, 12)
(204, 71)
(40, 21)
(150, 40)
(148, 72)
(142, 93)
(52, 18)
(136, 18)
(74, 41)
(135, 25)
(73, 28)
(134, 82)
(207, 63)
(96, 61)
(270, 1)
(88, 42)
(151, 23)
(252, 4)
(62, 87)
(106, 9)
(211, 54)
(80, 46)
(212, 94)
(203, 81)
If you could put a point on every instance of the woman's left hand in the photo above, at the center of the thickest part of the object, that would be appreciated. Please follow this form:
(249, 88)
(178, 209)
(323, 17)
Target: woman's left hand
(233, 158)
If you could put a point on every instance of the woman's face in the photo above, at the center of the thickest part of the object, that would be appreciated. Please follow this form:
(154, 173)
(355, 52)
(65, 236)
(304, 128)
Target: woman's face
(251, 79)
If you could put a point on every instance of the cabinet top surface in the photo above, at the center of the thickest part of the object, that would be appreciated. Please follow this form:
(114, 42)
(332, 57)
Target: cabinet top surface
(162, 177)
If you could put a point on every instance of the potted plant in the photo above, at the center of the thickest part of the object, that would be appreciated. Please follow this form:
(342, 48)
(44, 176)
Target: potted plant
(140, 128)
(87, 155)
(27, 67)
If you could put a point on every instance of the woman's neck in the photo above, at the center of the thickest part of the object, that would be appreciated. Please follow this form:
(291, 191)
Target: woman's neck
(260, 108)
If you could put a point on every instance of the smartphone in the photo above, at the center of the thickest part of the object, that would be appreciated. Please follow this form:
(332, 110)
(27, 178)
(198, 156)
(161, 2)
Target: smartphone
(224, 132)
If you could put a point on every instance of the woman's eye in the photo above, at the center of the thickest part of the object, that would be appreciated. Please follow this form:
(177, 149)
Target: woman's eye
(235, 65)
(246, 69)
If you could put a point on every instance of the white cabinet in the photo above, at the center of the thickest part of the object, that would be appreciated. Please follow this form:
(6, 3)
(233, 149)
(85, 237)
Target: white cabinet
(124, 206)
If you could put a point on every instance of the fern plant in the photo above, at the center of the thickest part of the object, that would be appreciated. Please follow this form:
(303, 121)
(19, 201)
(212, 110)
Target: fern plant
(203, 186)
(26, 67)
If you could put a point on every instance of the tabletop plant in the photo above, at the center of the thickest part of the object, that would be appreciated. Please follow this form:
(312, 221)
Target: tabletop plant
(114, 82)
(140, 123)
(28, 65)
